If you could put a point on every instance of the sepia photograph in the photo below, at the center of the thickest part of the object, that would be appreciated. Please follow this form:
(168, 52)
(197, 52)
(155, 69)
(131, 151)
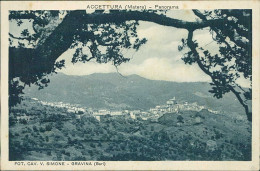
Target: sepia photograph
(123, 82)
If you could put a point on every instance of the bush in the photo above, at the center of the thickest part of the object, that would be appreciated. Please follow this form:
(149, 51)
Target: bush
(152, 128)
(92, 145)
(23, 121)
(48, 127)
(63, 151)
(35, 128)
(42, 129)
(12, 121)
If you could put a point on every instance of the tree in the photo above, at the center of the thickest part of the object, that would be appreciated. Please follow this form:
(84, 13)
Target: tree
(235, 54)
(180, 119)
(35, 128)
(48, 127)
(101, 35)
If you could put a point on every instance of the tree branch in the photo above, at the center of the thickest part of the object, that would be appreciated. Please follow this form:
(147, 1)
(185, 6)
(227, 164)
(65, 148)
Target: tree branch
(192, 46)
(90, 58)
(122, 16)
(237, 94)
(215, 28)
(19, 38)
(18, 15)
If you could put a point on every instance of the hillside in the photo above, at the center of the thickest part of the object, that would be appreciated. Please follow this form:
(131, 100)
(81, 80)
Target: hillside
(114, 91)
(39, 132)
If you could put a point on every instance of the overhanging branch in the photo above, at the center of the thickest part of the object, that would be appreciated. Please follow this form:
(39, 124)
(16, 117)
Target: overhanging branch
(19, 38)
(122, 16)
(192, 47)
(215, 28)
(62, 37)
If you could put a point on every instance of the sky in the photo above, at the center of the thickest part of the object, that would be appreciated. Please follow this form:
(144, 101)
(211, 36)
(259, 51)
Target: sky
(158, 59)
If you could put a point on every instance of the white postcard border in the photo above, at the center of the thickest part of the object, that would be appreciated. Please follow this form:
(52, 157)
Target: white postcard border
(131, 165)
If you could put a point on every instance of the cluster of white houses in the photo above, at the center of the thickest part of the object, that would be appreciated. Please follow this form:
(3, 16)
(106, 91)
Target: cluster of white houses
(100, 114)
(70, 108)
(171, 106)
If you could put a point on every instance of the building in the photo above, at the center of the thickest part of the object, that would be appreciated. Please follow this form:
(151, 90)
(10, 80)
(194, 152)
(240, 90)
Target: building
(154, 110)
(171, 102)
(132, 115)
(114, 113)
(101, 118)
(174, 108)
(97, 117)
(164, 108)
(78, 116)
(102, 112)
(213, 111)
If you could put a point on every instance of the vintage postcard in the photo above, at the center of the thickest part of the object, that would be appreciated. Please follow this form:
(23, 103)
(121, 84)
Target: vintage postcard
(130, 85)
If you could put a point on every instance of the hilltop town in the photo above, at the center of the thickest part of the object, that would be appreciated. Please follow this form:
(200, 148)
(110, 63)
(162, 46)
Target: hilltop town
(171, 106)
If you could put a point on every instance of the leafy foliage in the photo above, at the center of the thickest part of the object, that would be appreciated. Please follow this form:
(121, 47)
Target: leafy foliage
(234, 60)
(102, 42)
(105, 42)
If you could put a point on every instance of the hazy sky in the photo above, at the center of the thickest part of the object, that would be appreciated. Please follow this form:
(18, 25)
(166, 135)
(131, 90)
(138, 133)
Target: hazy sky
(158, 59)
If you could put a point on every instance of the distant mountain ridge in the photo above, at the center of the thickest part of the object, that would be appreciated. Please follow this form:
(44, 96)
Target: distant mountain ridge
(113, 91)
